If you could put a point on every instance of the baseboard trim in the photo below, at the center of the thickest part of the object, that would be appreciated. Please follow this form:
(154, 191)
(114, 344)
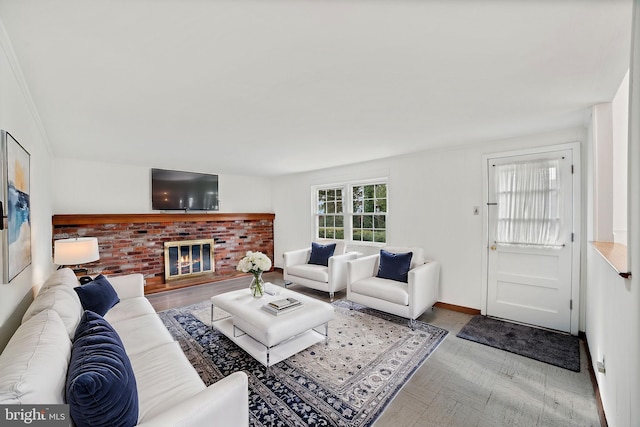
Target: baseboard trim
(458, 308)
(594, 382)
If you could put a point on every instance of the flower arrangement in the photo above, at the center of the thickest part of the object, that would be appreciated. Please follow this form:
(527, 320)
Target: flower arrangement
(255, 263)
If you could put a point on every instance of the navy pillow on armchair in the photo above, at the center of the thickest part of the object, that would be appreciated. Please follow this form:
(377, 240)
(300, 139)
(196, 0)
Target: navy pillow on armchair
(395, 266)
(320, 254)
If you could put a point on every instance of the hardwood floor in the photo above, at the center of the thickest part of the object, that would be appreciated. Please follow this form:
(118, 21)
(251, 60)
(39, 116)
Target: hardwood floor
(462, 383)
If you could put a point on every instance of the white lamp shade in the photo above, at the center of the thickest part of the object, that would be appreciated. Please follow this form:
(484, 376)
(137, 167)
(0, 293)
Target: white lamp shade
(75, 251)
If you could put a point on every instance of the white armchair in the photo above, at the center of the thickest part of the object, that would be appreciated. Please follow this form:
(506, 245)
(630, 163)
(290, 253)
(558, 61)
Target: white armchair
(407, 300)
(330, 278)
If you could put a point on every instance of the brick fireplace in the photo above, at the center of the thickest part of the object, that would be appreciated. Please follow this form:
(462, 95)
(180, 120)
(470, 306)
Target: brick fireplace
(134, 243)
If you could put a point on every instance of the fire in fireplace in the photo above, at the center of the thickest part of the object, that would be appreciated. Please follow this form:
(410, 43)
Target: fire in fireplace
(188, 258)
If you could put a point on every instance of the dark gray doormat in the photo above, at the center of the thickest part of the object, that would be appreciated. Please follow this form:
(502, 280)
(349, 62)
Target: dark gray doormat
(546, 346)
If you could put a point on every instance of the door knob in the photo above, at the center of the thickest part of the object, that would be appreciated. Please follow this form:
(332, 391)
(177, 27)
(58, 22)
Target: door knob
(494, 247)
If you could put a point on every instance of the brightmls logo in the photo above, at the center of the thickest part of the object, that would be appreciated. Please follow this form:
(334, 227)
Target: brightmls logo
(36, 415)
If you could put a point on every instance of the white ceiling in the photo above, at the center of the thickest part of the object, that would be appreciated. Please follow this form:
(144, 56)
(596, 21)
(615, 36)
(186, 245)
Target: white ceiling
(268, 87)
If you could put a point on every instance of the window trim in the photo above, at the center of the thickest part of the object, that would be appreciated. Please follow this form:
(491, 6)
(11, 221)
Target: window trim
(347, 208)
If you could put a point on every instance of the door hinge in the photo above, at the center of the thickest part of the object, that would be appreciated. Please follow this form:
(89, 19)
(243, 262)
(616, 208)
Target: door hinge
(572, 169)
(570, 304)
(572, 237)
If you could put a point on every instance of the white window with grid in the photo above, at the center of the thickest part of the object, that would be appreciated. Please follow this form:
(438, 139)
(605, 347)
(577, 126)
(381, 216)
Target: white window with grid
(355, 212)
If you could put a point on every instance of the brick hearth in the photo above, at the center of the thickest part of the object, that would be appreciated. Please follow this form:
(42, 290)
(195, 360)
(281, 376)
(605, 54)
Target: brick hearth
(135, 243)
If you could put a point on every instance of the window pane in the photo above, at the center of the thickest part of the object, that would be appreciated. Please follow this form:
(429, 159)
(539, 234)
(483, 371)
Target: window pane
(369, 191)
(528, 208)
(379, 221)
(357, 221)
(173, 257)
(368, 206)
(367, 221)
(380, 236)
(330, 208)
(357, 235)
(381, 191)
(206, 257)
(358, 193)
(381, 205)
(196, 260)
(322, 199)
(367, 235)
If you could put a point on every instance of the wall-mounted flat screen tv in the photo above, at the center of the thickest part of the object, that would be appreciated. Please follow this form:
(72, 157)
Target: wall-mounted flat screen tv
(176, 190)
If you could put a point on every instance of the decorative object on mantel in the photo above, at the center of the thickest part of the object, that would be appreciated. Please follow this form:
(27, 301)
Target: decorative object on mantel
(76, 251)
(17, 242)
(255, 263)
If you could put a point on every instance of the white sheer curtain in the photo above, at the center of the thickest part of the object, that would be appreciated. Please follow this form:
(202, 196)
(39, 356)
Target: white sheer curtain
(529, 208)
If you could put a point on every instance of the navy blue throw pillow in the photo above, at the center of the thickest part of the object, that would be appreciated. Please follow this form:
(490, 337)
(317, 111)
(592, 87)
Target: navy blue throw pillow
(320, 254)
(101, 388)
(395, 266)
(98, 295)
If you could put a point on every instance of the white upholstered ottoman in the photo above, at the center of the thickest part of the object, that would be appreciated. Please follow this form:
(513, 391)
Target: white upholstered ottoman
(266, 337)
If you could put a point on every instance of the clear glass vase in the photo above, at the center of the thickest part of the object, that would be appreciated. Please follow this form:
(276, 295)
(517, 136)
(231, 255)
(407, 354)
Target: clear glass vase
(257, 285)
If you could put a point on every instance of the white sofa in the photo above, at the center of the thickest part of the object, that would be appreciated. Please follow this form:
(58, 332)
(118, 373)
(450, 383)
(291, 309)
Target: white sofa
(33, 366)
(408, 300)
(331, 278)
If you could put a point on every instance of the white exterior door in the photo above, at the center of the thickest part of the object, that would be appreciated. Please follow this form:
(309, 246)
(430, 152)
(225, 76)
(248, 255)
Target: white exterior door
(530, 239)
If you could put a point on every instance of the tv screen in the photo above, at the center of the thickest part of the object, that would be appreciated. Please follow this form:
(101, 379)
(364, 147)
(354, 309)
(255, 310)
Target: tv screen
(176, 190)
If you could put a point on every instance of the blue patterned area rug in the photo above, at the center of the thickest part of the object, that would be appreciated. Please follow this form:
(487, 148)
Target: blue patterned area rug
(349, 382)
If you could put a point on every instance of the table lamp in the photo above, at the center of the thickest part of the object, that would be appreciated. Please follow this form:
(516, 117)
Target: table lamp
(79, 250)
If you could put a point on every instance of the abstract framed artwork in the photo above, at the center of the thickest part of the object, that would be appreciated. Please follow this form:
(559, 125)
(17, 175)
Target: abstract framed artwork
(16, 176)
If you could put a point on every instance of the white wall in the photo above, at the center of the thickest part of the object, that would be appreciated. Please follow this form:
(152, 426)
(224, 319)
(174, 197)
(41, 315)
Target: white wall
(17, 115)
(609, 137)
(98, 187)
(612, 322)
(431, 200)
(613, 303)
(631, 331)
(612, 334)
(601, 135)
(620, 141)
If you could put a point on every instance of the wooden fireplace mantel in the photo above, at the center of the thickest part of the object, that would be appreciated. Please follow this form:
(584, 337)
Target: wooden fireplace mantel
(82, 219)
